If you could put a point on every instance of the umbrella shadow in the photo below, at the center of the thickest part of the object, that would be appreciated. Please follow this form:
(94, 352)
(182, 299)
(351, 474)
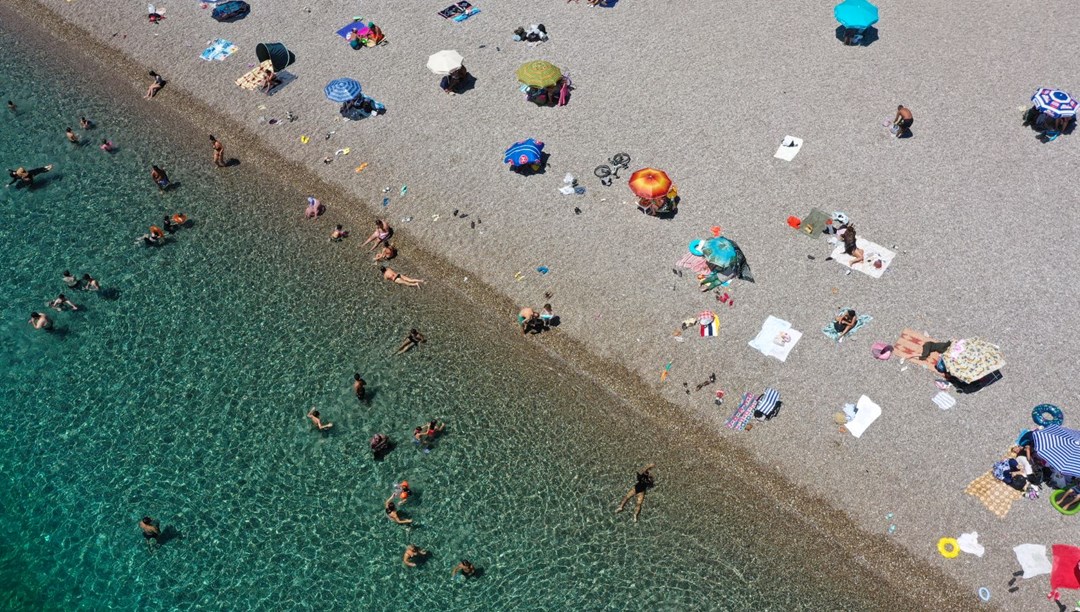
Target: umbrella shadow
(869, 36)
(284, 78)
(466, 84)
(531, 169)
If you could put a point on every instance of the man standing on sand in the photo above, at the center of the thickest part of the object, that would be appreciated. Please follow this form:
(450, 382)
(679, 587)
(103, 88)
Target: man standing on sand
(219, 152)
(644, 483)
(903, 121)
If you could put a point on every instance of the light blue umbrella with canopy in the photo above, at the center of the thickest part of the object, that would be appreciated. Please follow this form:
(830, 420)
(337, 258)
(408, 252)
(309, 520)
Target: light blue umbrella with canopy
(856, 14)
(342, 90)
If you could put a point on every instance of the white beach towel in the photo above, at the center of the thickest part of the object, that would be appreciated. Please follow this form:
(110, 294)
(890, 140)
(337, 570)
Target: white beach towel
(871, 252)
(969, 543)
(1032, 558)
(866, 413)
(944, 400)
(766, 340)
(789, 148)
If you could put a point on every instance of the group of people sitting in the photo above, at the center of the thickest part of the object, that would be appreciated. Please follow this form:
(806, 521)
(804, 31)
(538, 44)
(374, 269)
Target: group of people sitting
(535, 322)
(1048, 127)
(553, 95)
(1023, 470)
(157, 235)
(372, 37)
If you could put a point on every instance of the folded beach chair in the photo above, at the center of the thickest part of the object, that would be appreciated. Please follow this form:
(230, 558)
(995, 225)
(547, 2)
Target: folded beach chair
(255, 79)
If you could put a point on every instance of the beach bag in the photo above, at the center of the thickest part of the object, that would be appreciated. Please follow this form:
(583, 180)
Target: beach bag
(881, 351)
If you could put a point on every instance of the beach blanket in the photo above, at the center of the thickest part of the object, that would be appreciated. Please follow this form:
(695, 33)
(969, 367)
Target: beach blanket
(997, 496)
(789, 148)
(831, 332)
(459, 11)
(866, 412)
(360, 27)
(814, 223)
(693, 263)
(743, 413)
(872, 253)
(910, 346)
(708, 324)
(254, 79)
(1032, 559)
(1065, 574)
(776, 338)
(218, 50)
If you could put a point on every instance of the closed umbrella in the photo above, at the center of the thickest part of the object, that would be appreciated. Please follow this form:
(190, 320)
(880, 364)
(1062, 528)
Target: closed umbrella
(650, 183)
(539, 74)
(445, 62)
(1055, 102)
(342, 90)
(971, 359)
(523, 153)
(856, 14)
(1059, 448)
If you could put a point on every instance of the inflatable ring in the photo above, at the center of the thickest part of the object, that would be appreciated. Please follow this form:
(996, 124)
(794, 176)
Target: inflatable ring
(695, 247)
(948, 547)
(984, 594)
(1046, 415)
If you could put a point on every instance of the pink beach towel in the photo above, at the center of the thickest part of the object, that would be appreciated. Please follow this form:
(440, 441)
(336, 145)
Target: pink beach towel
(694, 263)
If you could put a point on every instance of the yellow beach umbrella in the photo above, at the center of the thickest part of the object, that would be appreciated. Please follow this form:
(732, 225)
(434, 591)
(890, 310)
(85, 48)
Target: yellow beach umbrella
(539, 73)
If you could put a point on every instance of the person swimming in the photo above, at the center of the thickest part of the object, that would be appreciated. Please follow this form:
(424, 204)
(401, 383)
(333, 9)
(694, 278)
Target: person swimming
(70, 280)
(85, 123)
(392, 512)
(61, 302)
(21, 177)
(38, 320)
(89, 283)
(402, 491)
(316, 421)
(467, 569)
(414, 339)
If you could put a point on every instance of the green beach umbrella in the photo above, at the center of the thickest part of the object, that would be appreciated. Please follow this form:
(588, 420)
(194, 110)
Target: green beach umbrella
(539, 74)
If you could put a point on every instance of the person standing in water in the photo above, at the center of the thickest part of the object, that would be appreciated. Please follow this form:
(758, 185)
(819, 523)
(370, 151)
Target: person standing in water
(151, 531)
(219, 151)
(413, 553)
(644, 483)
(161, 179)
(71, 136)
(358, 387)
(38, 320)
(89, 283)
(70, 280)
(467, 569)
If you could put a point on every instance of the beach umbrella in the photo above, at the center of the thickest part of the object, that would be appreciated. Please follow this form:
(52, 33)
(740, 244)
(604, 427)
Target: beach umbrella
(524, 152)
(856, 14)
(1055, 102)
(539, 74)
(280, 57)
(723, 257)
(650, 183)
(342, 90)
(971, 359)
(1059, 448)
(444, 62)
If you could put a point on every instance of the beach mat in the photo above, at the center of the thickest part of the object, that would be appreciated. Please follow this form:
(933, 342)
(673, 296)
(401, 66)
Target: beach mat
(871, 252)
(909, 347)
(789, 148)
(997, 496)
(218, 50)
(764, 341)
(361, 28)
(694, 263)
(253, 79)
(866, 412)
(743, 413)
(814, 223)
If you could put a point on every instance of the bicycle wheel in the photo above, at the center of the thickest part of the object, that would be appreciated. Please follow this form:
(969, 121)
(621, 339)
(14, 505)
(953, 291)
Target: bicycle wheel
(602, 171)
(621, 160)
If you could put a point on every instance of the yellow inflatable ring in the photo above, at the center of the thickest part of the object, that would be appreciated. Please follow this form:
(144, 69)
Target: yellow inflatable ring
(948, 547)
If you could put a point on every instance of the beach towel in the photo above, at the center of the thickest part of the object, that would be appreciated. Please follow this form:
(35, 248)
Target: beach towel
(1064, 575)
(872, 253)
(776, 338)
(814, 223)
(218, 50)
(1032, 559)
(866, 412)
(767, 404)
(708, 324)
(910, 346)
(997, 496)
(789, 148)
(969, 543)
(944, 400)
(743, 413)
(361, 28)
(831, 332)
(694, 263)
(254, 78)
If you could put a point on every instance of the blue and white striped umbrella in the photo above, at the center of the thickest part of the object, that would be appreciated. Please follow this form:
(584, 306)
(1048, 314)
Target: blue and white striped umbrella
(1059, 448)
(1055, 102)
(342, 90)
(524, 152)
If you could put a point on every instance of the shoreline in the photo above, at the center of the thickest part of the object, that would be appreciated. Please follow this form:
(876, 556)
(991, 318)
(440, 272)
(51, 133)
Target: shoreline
(617, 378)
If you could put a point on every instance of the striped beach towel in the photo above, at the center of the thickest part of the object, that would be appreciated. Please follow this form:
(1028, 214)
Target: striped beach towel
(743, 413)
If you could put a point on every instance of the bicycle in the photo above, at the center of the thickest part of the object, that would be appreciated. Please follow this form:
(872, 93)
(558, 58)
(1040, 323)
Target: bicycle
(606, 173)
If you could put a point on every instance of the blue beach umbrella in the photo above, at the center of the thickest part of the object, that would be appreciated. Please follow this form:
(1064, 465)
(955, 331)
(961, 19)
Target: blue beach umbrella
(1055, 102)
(342, 90)
(856, 14)
(1059, 448)
(524, 152)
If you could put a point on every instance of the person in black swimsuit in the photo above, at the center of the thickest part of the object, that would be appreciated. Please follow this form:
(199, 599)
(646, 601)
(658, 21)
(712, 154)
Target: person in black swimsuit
(392, 513)
(150, 531)
(644, 483)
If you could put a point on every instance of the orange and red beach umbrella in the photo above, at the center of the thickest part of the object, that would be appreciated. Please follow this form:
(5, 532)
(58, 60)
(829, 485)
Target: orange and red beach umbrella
(650, 183)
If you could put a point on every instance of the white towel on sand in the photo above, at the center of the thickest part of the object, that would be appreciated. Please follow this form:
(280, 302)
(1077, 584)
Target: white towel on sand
(1032, 558)
(871, 252)
(766, 338)
(789, 148)
(866, 413)
(969, 543)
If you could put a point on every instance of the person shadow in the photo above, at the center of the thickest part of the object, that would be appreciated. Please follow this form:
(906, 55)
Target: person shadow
(232, 162)
(467, 84)
(168, 534)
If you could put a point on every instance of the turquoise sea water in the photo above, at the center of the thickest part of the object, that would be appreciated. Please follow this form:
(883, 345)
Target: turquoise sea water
(184, 398)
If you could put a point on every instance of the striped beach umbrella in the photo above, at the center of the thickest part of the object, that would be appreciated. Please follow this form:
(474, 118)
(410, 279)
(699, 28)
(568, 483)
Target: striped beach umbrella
(971, 359)
(523, 153)
(1059, 448)
(1055, 102)
(342, 90)
(856, 14)
(539, 73)
(650, 183)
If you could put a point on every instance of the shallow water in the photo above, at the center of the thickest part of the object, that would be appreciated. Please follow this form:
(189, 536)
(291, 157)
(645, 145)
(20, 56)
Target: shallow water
(184, 398)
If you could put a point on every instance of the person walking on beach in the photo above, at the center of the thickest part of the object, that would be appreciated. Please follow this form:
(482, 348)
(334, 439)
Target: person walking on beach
(644, 483)
(38, 320)
(903, 121)
(313, 414)
(155, 86)
(151, 531)
(413, 552)
(392, 512)
(358, 387)
(219, 152)
(390, 275)
(71, 136)
(414, 339)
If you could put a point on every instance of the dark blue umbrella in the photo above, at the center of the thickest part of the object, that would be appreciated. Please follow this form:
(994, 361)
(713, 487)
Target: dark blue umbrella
(1059, 448)
(1054, 102)
(342, 90)
(524, 152)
